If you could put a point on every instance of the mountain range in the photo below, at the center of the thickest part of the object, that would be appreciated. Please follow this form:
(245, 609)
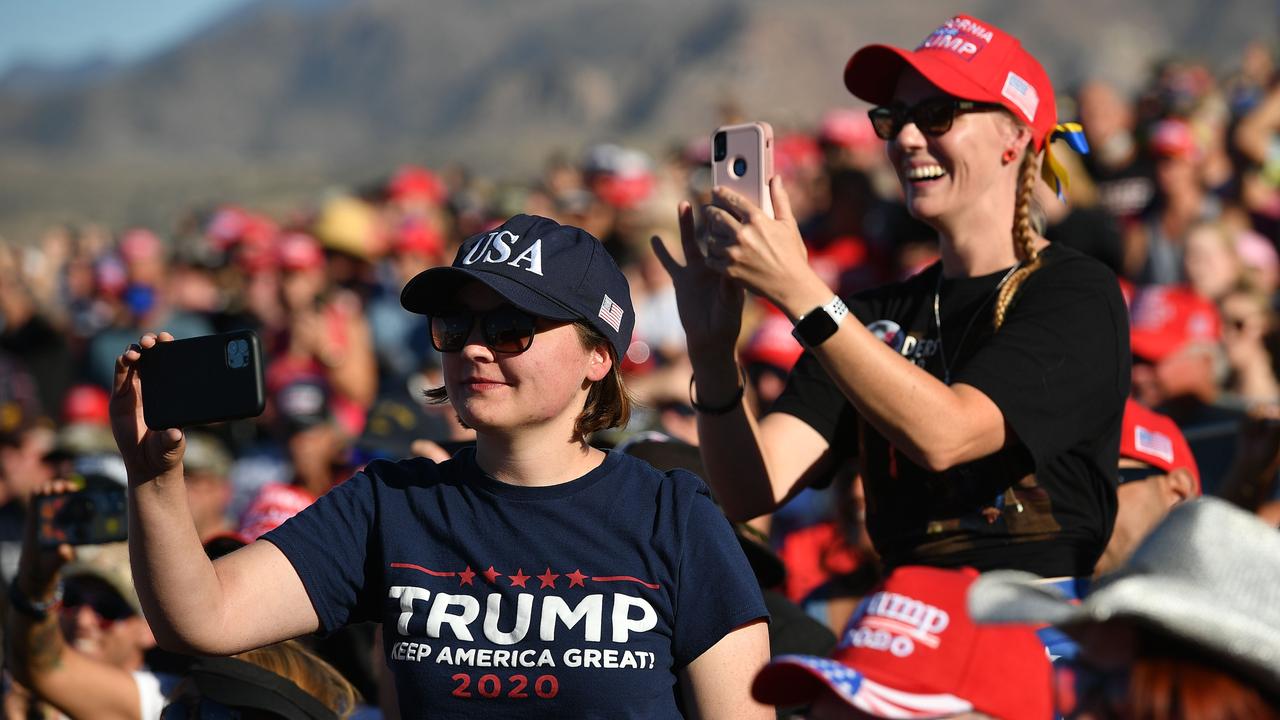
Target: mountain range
(283, 97)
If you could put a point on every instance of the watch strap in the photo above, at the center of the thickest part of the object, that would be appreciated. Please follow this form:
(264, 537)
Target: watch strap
(36, 610)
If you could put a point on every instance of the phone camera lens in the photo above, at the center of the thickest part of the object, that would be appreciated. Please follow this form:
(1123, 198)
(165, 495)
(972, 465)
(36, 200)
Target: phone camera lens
(739, 166)
(721, 143)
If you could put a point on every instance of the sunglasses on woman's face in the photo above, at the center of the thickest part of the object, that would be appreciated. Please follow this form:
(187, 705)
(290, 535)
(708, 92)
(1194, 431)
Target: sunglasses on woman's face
(933, 116)
(504, 329)
(108, 605)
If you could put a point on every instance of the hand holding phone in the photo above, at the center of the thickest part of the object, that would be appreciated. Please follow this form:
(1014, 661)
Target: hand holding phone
(742, 160)
(202, 380)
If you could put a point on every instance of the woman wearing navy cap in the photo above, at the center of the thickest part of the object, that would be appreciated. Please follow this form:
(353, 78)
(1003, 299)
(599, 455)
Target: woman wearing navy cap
(983, 396)
(535, 576)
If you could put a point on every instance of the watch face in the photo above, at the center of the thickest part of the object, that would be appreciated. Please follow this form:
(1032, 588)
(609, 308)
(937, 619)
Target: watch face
(816, 327)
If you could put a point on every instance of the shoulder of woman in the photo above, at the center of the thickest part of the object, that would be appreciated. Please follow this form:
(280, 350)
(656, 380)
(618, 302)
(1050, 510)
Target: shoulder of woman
(922, 281)
(1066, 265)
(679, 480)
(406, 472)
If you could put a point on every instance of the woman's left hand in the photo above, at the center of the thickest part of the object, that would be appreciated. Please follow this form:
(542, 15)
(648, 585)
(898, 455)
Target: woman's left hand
(767, 255)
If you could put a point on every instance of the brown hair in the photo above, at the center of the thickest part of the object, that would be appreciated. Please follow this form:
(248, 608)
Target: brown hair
(1024, 236)
(608, 402)
(314, 676)
(1169, 688)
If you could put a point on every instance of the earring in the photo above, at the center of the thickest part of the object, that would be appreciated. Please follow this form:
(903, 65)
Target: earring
(1009, 156)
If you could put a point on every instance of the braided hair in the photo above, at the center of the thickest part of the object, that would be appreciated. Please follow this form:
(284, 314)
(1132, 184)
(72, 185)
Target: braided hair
(1024, 236)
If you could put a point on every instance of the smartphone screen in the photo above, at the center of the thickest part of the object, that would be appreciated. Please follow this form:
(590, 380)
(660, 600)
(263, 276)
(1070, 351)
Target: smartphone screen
(742, 160)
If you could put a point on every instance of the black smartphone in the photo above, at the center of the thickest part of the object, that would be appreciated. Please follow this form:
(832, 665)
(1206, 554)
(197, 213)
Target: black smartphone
(85, 517)
(202, 380)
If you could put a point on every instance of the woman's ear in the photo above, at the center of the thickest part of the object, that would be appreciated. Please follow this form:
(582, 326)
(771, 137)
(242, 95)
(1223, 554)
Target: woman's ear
(1017, 137)
(600, 363)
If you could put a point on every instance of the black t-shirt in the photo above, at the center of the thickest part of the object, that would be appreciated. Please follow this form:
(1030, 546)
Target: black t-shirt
(1125, 191)
(1058, 370)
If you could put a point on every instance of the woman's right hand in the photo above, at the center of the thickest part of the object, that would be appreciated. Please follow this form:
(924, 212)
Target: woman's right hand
(710, 303)
(147, 453)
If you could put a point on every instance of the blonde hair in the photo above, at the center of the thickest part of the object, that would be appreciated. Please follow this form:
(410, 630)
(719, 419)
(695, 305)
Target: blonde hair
(1024, 235)
(305, 669)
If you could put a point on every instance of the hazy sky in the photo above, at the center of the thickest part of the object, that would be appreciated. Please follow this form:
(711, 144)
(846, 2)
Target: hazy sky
(69, 30)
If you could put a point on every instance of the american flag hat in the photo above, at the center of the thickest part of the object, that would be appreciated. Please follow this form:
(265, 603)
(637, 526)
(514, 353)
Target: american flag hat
(547, 269)
(912, 651)
(1154, 439)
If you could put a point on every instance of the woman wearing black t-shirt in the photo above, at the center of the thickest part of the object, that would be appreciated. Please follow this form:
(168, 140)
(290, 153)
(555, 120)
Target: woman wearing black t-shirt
(983, 396)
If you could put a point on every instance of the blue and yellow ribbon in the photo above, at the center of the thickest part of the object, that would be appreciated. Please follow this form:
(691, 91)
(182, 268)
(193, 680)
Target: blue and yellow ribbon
(1052, 170)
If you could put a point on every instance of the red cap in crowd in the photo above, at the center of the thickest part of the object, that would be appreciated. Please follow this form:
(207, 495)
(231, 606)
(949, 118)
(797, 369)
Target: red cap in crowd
(1174, 138)
(417, 236)
(1164, 319)
(86, 404)
(1154, 439)
(967, 58)
(848, 128)
(772, 343)
(299, 251)
(621, 177)
(416, 183)
(912, 651)
(794, 153)
(274, 503)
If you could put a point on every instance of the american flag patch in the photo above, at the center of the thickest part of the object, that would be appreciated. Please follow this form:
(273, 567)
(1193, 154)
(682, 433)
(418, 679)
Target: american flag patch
(611, 312)
(1020, 93)
(1153, 443)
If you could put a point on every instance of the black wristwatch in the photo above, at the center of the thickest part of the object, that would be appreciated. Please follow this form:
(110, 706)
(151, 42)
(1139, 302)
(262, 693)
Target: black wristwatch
(814, 327)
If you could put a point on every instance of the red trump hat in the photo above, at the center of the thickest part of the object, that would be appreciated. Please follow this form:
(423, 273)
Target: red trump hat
(967, 58)
(912, 651)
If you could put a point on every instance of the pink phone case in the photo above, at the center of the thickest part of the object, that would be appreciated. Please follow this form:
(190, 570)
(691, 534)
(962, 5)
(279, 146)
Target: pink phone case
(743, 161)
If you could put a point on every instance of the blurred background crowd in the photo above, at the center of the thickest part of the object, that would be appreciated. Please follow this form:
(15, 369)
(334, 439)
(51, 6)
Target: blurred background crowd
(1180, 196)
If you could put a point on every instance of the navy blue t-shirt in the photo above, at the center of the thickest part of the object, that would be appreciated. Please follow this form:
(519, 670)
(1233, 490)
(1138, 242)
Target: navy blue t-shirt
(581, 599)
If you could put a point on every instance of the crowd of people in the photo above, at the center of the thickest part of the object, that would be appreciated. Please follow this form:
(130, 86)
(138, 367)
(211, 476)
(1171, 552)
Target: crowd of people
(959, 344)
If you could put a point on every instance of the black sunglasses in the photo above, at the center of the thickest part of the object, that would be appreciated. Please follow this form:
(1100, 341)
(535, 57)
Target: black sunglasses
(933, 116)
(107, 604)
(1135, 474)
(504, 329)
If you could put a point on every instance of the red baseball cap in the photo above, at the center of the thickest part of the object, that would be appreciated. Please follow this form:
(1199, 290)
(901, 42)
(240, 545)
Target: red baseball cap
(299, 251)
(412, 182)
(1174, 138)
(795, 152)
(848, 128)
(772, 343)
(1164, 319)
(967, 58)
(86, 404)
(415, 235)
(912, 651)
(1154, 439)
(274, 503)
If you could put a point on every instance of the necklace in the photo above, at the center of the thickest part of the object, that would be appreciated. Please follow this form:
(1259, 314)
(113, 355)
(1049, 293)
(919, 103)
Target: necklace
(937, 319)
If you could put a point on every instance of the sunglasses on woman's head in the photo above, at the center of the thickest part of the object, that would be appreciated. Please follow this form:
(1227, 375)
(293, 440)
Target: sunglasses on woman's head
(504, 329)
(933, 116)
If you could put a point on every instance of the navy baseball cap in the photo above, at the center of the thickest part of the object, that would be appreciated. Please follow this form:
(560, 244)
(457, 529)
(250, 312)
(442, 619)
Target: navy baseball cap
(547, 269)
